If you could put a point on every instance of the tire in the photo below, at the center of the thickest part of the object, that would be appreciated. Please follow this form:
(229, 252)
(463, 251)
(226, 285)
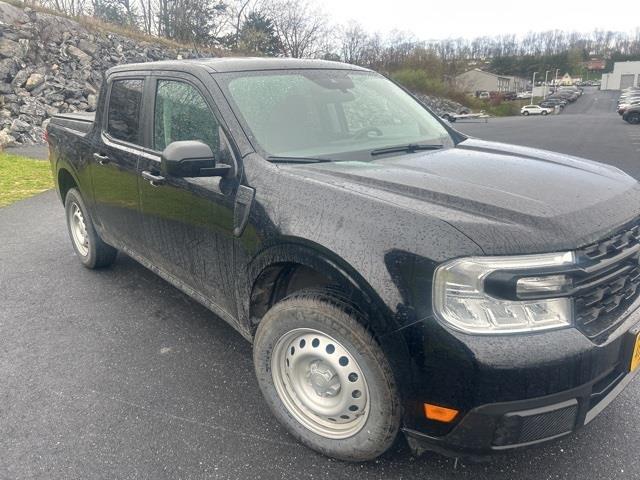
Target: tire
(310, 349)
(525, 113)
(90, 248)
(544, 112)
(633, 118)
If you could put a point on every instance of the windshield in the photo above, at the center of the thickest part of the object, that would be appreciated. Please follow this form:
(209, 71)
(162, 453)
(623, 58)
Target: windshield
(336, 114)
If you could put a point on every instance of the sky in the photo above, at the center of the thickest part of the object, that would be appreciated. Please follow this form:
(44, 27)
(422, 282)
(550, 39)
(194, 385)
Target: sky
(429, 19)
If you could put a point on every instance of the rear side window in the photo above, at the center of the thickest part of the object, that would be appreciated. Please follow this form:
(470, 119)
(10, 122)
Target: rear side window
(124, 110)
(182, 113)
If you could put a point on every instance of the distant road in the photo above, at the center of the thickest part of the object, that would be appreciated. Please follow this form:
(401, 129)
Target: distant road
(589, 128)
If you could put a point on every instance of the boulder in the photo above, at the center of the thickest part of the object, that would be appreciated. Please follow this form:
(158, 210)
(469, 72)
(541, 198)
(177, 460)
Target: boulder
(87, 47)
(11, 15)
(19, 126)
(92, 101)
(79, 55)
(34, 80)
(6, 139)
(33, 109)
(9, 48)
(21, 78)
(8, 68)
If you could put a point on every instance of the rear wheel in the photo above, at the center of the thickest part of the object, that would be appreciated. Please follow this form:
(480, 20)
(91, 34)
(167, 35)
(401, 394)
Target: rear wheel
(525, 113)
(633, 118)
(91, 250)
(325, 377)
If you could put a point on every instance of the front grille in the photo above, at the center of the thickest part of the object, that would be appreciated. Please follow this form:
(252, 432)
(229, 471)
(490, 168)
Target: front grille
(520, 428)
(610, 283)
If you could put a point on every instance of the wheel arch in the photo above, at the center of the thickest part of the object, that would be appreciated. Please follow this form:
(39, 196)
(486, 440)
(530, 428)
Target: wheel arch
(66, 181)
(294, 264)
(300, 263)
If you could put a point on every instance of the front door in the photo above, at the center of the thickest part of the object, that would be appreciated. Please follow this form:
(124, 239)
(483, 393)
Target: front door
(188, 222)
(114, 164)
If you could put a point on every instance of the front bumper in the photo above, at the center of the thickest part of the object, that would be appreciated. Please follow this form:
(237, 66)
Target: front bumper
(490, 427)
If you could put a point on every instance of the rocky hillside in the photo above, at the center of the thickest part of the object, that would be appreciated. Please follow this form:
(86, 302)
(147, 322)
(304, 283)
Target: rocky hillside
(50, 64)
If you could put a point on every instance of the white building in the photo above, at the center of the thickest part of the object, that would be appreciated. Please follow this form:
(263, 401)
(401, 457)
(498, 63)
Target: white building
(625, 74)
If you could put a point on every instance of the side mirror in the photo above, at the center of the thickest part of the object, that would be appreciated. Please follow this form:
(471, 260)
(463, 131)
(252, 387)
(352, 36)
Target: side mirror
(191, 158)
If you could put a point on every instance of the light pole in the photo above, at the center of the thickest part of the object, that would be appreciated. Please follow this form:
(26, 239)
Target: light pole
(545, 84)
(533, 86)
(556, 85)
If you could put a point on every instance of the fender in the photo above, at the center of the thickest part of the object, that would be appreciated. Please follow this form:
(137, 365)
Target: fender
(316, 257)
(383, 323)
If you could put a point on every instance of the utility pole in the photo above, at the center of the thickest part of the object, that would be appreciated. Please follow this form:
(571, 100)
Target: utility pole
(545, 84)
(533, 86)
(557, 70)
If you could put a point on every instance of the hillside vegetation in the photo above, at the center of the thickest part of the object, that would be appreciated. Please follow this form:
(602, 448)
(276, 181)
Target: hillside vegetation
(51, 64)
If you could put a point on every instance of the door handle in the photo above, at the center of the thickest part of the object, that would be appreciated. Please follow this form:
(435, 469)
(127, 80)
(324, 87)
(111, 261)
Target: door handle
(154, 180)
(102, 159)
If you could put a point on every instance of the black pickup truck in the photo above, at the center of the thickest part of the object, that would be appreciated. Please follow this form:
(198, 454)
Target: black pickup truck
(391, 273)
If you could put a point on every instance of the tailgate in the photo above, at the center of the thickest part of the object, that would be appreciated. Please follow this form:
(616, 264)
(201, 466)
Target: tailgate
(81, 122)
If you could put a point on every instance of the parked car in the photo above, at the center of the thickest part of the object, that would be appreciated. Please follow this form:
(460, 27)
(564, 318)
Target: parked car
(628, 98)
(523, 95)
(552, 103)
(632, 115)
(558, 99)
(484, 95)
(510, 96)
(623, 107)
(535, 110)
(391, 273)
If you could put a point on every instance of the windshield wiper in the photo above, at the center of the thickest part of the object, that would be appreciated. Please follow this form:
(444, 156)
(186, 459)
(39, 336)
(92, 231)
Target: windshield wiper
(276, 159)
(410, 148)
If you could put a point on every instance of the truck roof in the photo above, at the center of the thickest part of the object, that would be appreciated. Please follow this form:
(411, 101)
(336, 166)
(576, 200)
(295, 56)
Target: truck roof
(236, 64)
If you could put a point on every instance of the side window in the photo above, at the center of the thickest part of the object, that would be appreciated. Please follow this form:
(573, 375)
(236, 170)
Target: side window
(181, 113)
(123, 118)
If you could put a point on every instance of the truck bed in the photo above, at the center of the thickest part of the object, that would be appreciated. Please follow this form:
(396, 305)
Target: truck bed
(81, 122)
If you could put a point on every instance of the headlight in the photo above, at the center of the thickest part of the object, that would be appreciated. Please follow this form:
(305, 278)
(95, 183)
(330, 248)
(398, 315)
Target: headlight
(460, 295)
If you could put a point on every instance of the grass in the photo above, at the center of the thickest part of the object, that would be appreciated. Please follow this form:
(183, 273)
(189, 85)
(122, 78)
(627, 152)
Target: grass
(22, 177)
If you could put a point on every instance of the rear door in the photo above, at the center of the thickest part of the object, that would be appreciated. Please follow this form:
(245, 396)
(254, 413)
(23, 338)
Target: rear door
(115, 161)
(188, 222)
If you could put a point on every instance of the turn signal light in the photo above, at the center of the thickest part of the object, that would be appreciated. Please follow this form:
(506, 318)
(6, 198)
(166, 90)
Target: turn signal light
(440, 414)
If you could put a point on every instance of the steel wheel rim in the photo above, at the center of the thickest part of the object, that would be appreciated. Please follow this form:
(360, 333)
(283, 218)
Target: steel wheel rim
(320, 383)
(79, 230)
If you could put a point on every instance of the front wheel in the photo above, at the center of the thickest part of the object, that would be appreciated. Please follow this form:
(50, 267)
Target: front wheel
(544, 112)
(88, 245)
(325, 377)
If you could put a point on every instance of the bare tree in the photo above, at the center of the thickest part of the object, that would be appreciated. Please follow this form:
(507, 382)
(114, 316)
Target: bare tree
(148, 15)
(301, 27)
(69, 7)
(355, 43)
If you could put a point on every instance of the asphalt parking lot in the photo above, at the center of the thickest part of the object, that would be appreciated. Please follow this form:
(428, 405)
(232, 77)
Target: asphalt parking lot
(588, 128)
(116, 374)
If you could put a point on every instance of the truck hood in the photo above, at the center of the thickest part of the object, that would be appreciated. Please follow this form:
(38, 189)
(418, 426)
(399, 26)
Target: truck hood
(506, 198)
